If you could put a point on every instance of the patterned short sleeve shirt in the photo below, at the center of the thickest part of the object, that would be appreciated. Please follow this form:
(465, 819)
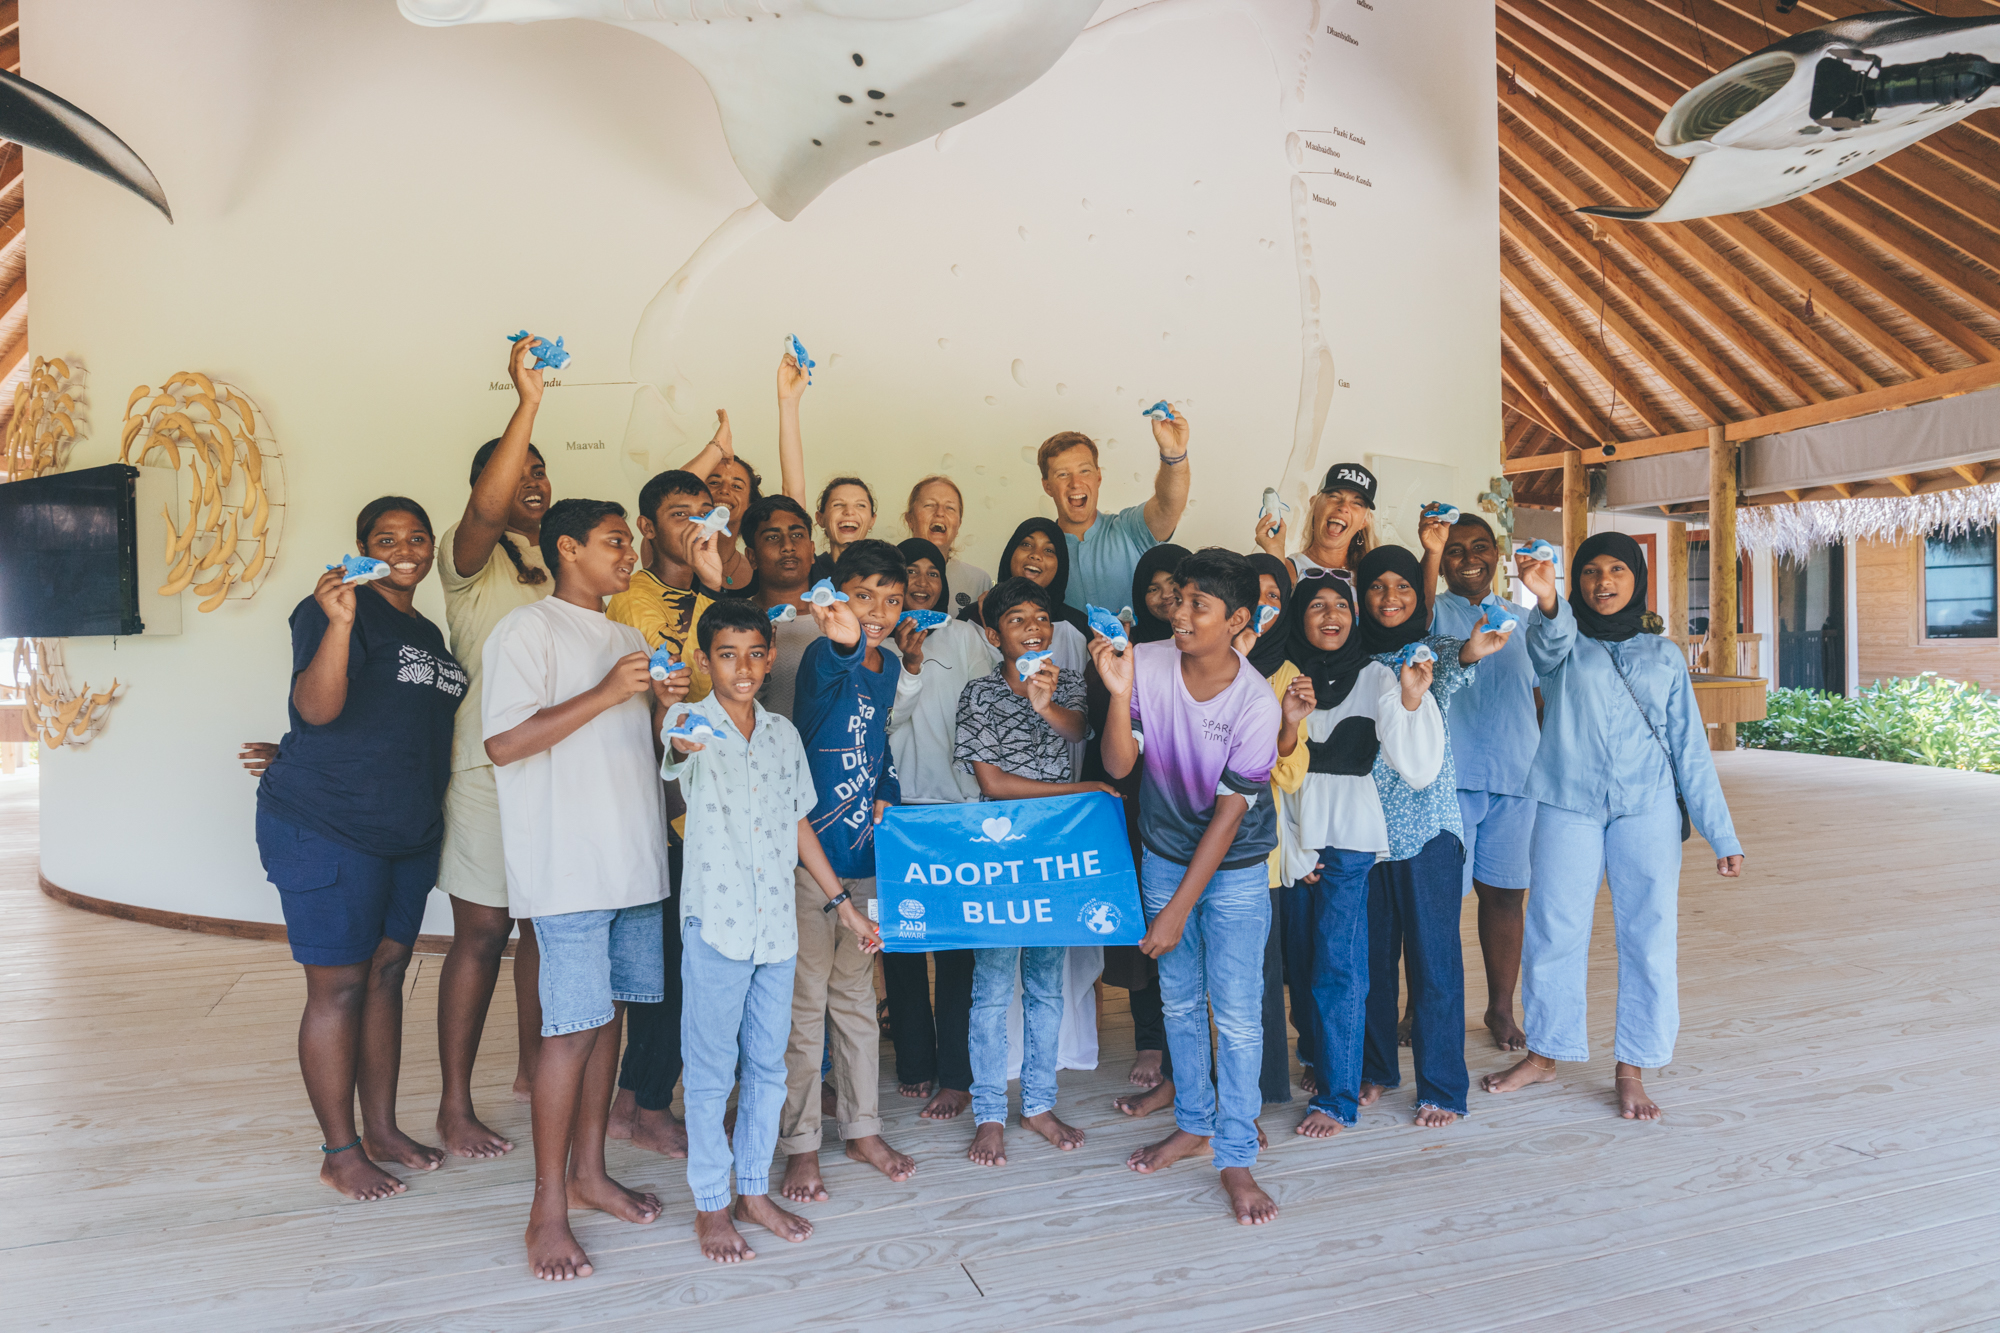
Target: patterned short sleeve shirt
(999, 727)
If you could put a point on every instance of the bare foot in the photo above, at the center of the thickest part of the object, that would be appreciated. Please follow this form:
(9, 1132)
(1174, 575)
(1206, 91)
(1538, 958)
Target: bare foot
(914, 1090)
(1507, 1034)
(354, 1175)
(1318, 1125)
(1370, 1094)
(608, 1196)
(829, 1103)
(1146, 1071)
(719, 1238)
(1159, 1156)
(989, 1144)
(802, 1183)
(1253, 1207)
(1435, 1117)
(398, 1147)
(1308, 1081)
(524, 1091)
(1530, 1068)
(623, 1108)
(660, 1132)
(1403, 1030)
(553, 1253)
(1633, 1103)
(882, 1157)
(464, 1136)
(1055, 1131)
(758, 1210)
(1145, 1103)
(949, 1104)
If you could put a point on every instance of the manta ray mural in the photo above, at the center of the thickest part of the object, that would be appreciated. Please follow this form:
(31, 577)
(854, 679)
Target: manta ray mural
(1820, 105)
(34, 117)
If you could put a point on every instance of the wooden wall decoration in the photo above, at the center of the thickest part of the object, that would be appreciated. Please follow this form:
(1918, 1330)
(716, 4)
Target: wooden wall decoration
(47, 407)
(234, 483)
(57, 714)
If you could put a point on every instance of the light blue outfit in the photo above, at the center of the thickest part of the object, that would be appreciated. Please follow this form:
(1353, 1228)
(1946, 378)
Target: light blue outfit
(1041, 971)
(1493, 737)
(1606, 810)
(1220, 959)
(1102, 560)
(736, 1020)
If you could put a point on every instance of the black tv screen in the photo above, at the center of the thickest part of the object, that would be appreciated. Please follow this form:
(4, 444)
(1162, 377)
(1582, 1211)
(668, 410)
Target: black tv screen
(69, 557)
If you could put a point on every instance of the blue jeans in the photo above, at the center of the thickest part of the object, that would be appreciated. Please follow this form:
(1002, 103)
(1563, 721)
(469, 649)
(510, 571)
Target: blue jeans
(1574, 853)
(1326, 942)
(1218, 965)
(1413, 909)
(1041, 1023)
(594, 960)
(735, 1015)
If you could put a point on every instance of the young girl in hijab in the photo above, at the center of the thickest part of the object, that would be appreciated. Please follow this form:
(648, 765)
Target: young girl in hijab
(933, 1052)
(1413, 896)
(1274, 582)
(1621, 740)
(1343, 712)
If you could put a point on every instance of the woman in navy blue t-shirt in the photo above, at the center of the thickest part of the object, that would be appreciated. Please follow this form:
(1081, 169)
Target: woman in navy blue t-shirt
(349, 820)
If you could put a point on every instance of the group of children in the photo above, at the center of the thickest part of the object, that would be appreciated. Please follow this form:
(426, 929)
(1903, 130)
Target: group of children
(724, 727)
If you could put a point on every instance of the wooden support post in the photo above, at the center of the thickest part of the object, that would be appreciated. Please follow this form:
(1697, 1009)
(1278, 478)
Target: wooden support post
(1575, 508)
(1722, 566)
(1677, 581)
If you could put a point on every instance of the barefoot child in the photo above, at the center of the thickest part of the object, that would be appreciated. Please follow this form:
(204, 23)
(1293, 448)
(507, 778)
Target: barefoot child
(583, 823)
(1210, 724)
(749, 792)
(846, 684)
(1014, 737)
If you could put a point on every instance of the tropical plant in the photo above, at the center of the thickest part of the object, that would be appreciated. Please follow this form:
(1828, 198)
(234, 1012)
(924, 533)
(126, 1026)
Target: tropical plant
(1923, 719)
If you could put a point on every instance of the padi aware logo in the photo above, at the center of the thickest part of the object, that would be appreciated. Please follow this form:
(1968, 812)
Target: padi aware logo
(911, 909)
(1100, 917)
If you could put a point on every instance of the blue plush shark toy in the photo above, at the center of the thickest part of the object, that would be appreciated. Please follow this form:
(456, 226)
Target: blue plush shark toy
(1273, 511)
(927, 620)
(1160, 411)
(782, 614)
(693, 726)
(1029, 663)
(548, 356)
(714, 521)
(361, 569)
(1496, 614)
(1267, 616)
(1441, 509)
(797, 351)
(1110, 626)
(824, 593)
(1538, 550)
(663, 663)
(1412, 652)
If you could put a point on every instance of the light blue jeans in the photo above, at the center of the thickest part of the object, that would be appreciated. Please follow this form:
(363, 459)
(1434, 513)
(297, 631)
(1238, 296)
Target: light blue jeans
(1219, 965)
(1041, 1024)
(1574, 853)
(734, 1014)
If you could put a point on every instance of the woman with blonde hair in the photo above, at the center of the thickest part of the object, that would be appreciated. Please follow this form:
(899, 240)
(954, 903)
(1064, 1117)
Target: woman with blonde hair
(934, 514)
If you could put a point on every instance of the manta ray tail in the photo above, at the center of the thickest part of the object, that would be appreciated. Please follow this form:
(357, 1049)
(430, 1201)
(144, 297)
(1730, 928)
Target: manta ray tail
(36, 118)
(1619, 214)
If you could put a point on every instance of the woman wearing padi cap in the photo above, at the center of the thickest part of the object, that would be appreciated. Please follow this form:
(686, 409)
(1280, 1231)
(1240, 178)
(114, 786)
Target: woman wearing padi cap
(1339, 532)
(1621, 740)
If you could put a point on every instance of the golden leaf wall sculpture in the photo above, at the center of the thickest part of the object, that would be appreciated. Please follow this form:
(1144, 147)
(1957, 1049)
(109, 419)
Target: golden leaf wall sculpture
(48, 416)
(57, 714)
(234, 483)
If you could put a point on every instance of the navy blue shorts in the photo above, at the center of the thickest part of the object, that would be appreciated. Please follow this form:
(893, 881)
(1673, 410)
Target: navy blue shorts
(339, 904)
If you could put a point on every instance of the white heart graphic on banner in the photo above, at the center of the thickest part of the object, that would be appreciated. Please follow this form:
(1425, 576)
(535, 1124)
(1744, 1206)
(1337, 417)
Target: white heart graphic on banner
(997, 829)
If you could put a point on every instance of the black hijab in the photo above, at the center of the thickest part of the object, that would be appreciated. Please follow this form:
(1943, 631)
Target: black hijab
(1332, 673)
(915, 549)
(1268, 653)
(1058, 588)
(1376, 637)
(1623, 623)
(1162, 559)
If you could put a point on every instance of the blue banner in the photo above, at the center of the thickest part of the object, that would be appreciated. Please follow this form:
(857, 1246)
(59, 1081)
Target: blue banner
(1005, 874)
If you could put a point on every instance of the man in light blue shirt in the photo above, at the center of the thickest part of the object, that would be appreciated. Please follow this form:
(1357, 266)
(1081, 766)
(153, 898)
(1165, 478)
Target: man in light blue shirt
(1105, 549)
(1494, 735)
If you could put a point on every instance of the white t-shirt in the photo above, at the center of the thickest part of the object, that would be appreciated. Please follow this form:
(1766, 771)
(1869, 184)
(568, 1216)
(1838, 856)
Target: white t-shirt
(583, 824)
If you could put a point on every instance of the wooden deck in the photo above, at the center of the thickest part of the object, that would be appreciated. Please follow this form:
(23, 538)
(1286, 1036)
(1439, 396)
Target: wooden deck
(1830, 1160)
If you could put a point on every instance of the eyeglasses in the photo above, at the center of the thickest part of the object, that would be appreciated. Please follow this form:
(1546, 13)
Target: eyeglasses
(1309, 570)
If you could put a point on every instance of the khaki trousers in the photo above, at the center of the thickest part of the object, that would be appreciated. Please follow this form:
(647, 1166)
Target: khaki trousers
(834, 978)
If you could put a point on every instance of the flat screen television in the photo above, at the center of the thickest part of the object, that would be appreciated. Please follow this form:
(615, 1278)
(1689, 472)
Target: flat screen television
(69, 554)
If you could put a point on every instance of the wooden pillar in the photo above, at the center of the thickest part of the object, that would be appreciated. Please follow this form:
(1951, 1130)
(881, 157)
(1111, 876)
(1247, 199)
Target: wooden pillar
(1576, 509)
(1722, 566)
(1677, 581)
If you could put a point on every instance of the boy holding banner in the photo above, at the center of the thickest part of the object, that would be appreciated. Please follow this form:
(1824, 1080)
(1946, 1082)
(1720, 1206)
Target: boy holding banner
(1015, 729)
(1210, 728)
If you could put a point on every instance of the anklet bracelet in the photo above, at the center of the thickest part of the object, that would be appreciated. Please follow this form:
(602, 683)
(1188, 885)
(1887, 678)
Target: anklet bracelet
(342, 1148)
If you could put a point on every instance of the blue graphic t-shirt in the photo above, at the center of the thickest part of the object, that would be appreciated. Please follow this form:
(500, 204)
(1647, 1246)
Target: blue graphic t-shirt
(841, 710)
(372, 779)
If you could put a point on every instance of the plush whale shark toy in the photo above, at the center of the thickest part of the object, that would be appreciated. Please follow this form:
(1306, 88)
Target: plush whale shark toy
(693, 726)
(1820, 105)
(361, 569)
(797, 351)
(1441, 509)
(1160, 411)
(824, 593)
(1496, 614)
(714, 521)
(1535, 551)
(549, 355)
(1267, 616)
(663, 663)
(1110, 626)
(782, 614)
(927, 620)
(1272, 512)
(1029, 663)
(1412, 652)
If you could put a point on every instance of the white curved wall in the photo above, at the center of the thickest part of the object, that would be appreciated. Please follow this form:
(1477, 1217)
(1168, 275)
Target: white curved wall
(364, 208)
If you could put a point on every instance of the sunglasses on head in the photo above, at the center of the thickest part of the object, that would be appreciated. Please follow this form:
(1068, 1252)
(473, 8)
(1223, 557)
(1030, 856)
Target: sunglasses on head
(1309, 570)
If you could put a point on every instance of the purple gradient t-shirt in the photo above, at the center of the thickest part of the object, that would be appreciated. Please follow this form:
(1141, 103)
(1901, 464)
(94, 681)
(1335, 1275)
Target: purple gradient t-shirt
(1195, 752)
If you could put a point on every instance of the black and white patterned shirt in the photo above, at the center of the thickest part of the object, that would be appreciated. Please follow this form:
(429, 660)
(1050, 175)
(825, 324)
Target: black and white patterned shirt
(999, 727)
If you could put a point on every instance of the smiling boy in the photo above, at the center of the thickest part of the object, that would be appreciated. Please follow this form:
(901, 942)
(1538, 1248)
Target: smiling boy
(846, 685)
(1210, 730)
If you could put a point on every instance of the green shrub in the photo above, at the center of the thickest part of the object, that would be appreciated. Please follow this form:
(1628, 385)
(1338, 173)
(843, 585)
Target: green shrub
(1924, 720)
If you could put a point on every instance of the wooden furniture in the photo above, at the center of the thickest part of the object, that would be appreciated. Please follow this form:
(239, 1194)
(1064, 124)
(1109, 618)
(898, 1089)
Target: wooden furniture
(1726, 700)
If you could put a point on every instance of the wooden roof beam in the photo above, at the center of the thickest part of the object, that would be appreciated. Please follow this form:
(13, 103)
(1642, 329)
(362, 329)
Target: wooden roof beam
(1511, 438)
(1566, 395)
(1539, 396)
(1515, 396)
(1594, 354)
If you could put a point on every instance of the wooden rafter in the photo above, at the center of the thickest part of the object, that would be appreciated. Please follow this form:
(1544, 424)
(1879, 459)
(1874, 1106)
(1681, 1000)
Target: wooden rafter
(1585, 345)
(1537, 399)
(1562, 391)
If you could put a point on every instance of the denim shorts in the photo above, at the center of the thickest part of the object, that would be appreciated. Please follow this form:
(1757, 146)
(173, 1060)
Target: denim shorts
(1499, 831)
(339, 904)
(592, 959)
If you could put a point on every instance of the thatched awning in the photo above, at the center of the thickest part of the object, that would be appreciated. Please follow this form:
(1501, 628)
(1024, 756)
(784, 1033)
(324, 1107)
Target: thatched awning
(1796, 530)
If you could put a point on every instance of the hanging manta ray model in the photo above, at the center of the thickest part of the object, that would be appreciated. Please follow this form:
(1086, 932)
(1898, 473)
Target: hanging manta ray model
(34, 117)
(1820, 105)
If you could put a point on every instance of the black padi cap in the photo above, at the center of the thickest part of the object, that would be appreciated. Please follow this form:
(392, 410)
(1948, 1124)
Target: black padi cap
(1350, 477)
